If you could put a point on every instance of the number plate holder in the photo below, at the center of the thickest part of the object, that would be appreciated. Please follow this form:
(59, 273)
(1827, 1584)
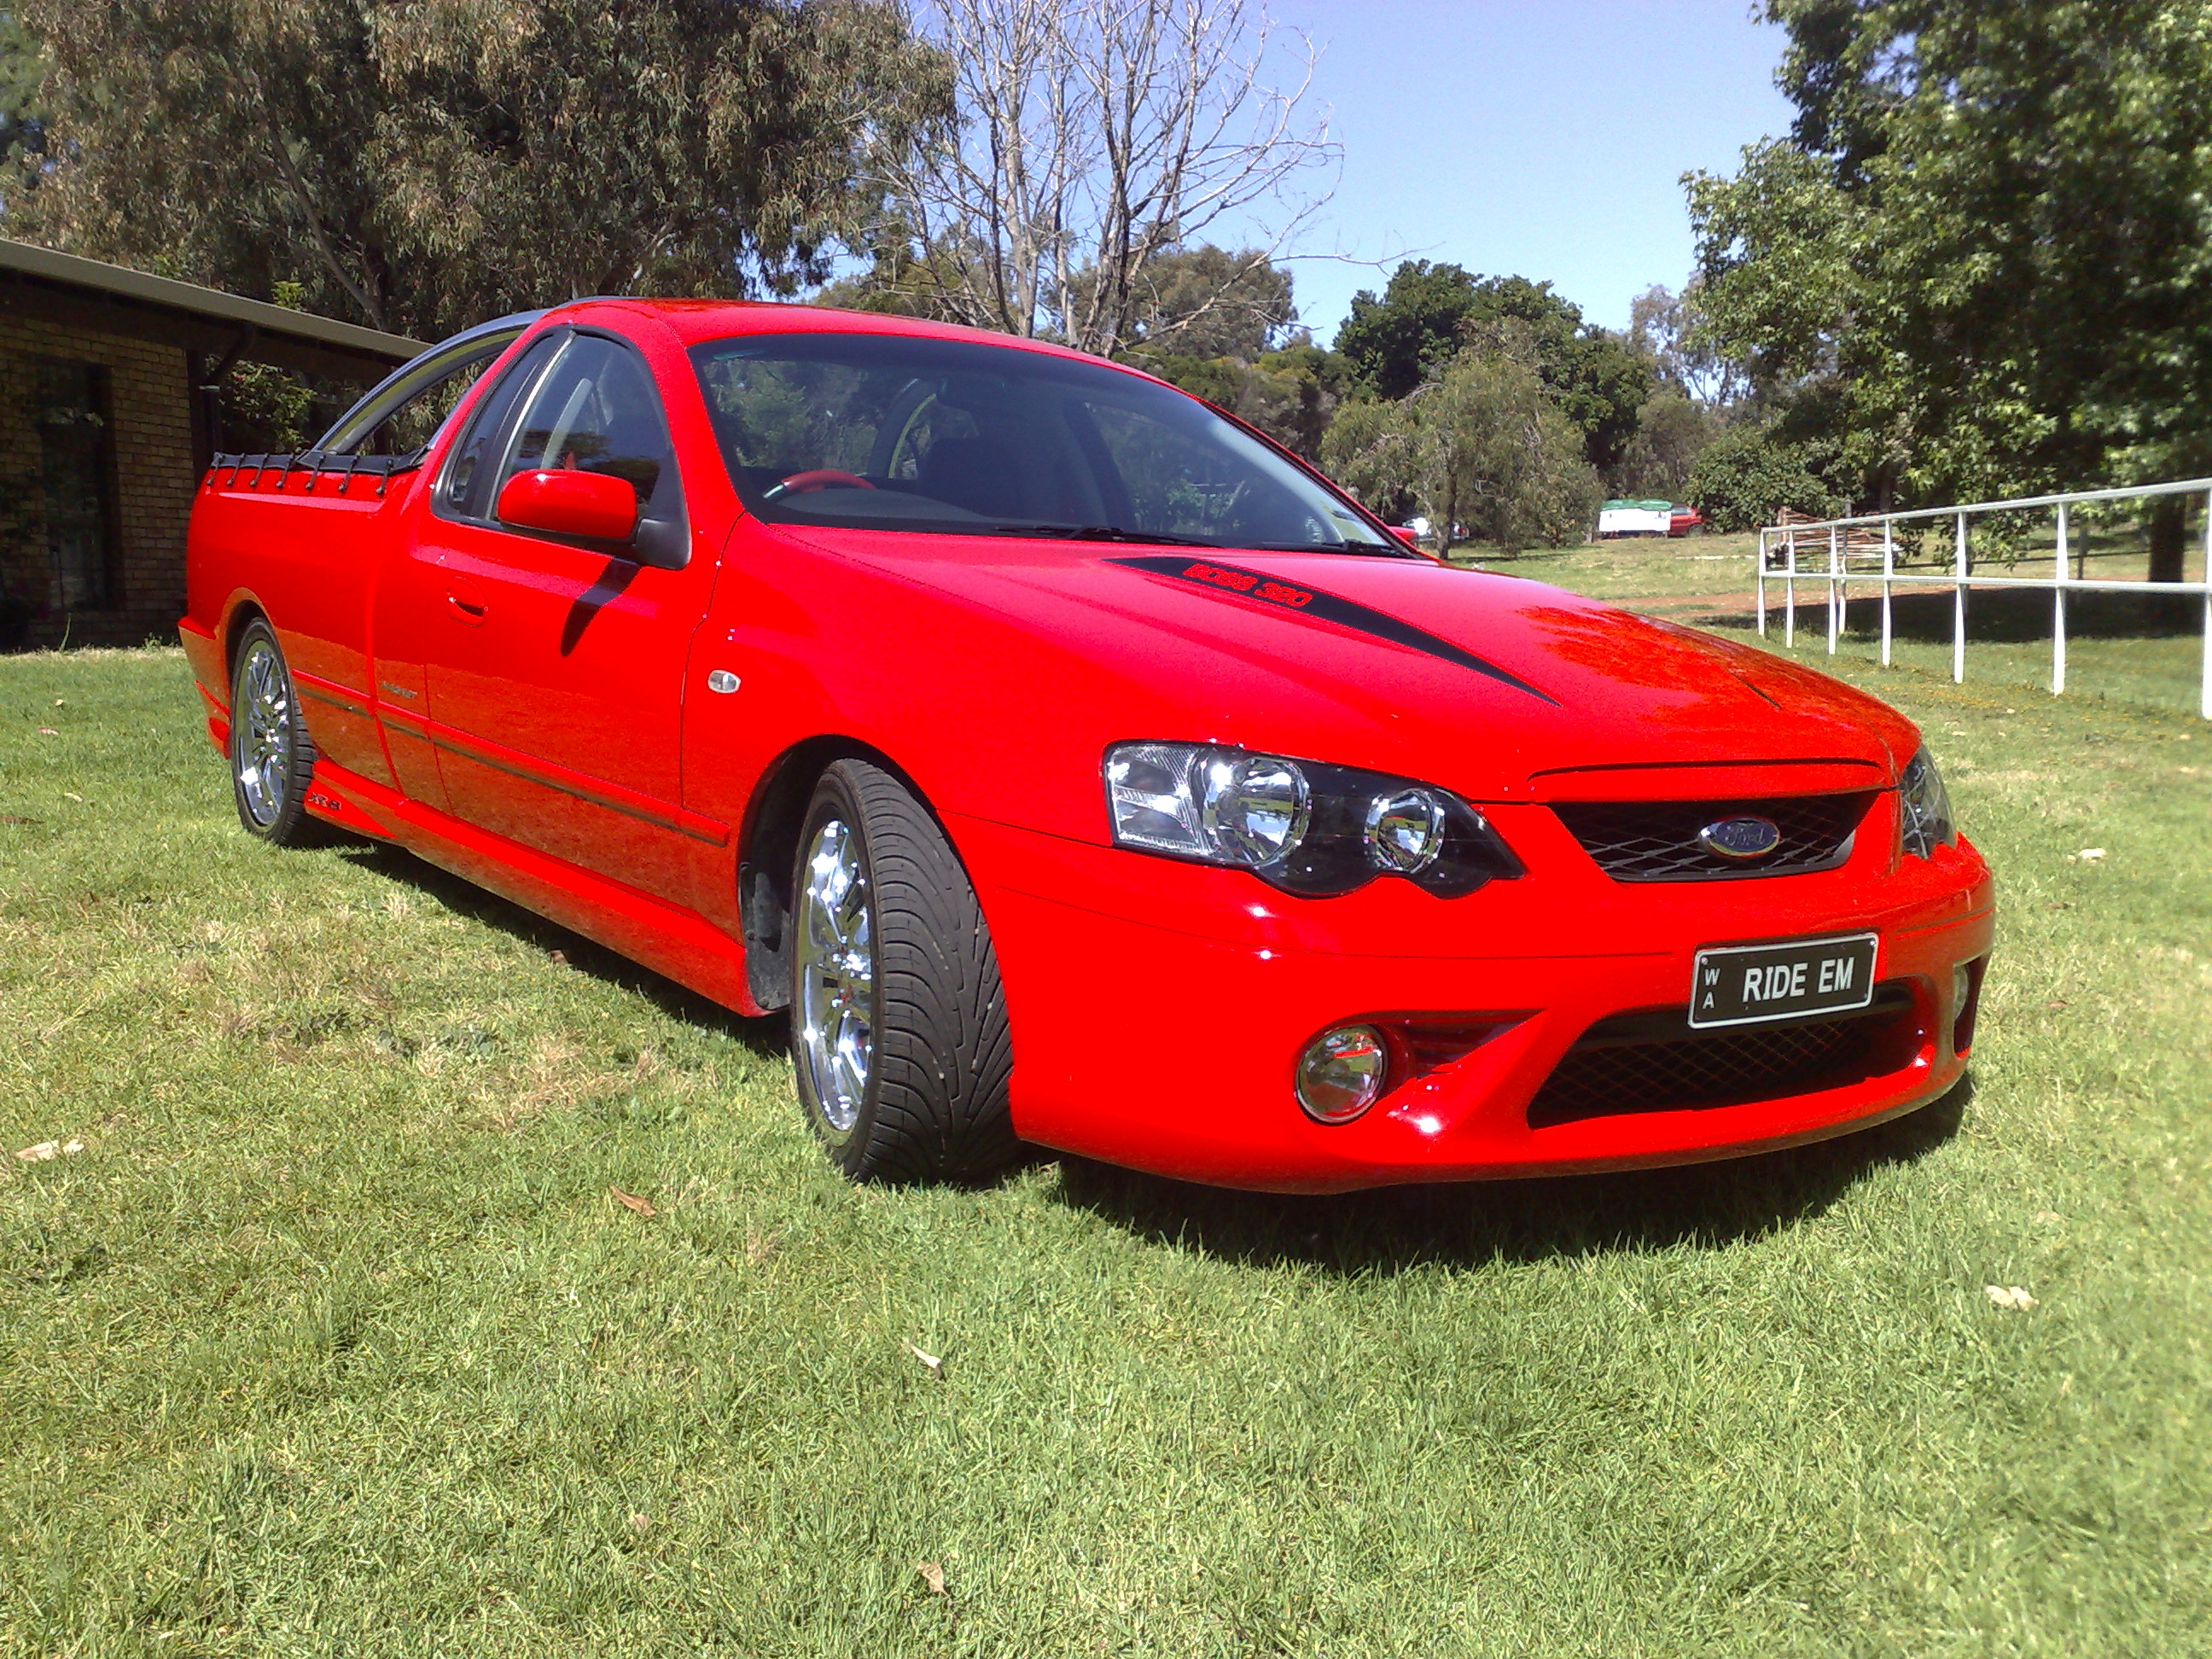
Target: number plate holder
(1764, 984)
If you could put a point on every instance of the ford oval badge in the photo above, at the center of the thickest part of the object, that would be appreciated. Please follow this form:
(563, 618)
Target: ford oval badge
(1741, 839)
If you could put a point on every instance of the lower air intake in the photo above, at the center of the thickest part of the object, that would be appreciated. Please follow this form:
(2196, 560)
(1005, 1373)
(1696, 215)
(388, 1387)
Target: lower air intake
(1617, 1068)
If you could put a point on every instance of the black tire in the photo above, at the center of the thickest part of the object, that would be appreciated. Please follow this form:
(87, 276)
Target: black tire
(272, 758)
(930, 1102)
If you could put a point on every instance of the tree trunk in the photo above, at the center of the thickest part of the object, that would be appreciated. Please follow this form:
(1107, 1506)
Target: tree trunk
(2169, 538)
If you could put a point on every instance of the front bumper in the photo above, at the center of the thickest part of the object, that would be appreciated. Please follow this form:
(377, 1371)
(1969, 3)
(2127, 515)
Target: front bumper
(1158, 1008)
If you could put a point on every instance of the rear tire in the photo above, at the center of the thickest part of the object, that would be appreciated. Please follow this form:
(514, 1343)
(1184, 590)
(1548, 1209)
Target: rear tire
(272, 758)
(898, 1021)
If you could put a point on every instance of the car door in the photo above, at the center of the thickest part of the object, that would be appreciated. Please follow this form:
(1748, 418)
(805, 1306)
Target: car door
(554, 665)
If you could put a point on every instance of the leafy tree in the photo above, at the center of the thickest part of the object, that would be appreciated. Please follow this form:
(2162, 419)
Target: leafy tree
(1291, 395)
(1746, 474)
(1664, 325)
(1672, 432)
(1427, 314)
(420, 164)
(22, 110)
(1484, 444)
(1978, 263)
(1206, 301)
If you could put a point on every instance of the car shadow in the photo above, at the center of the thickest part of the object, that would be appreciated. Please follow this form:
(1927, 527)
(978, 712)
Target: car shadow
(767, 1037)
(1391, 1230)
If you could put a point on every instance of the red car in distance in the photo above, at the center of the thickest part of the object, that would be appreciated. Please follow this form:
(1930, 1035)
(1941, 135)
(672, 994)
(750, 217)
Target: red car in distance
(1077, 766)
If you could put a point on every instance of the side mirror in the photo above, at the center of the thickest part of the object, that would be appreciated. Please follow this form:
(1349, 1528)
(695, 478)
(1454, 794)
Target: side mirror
(595, 506)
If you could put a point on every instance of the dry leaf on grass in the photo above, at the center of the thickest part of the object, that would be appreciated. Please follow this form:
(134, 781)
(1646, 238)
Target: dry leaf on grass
(760, 1246)
(9, 819)
(2013, 1297)
(934, 1365)
(932, 1575)
(48, 731)
(47, 1150)
(561, 957)
(631, 1202)
(71, 794)
(2086, 855)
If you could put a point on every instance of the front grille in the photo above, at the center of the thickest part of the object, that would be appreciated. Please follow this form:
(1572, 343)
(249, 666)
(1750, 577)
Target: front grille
(1623, 1064)
(1657, 841)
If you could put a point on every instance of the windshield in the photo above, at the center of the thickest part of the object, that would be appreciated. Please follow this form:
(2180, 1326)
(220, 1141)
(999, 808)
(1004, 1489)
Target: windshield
(890, 432)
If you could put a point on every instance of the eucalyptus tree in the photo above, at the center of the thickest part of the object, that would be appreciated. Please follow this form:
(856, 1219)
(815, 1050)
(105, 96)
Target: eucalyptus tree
(417, 164)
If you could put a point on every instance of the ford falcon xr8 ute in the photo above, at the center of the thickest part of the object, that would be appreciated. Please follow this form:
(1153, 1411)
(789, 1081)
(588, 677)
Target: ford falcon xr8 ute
(1078, 768)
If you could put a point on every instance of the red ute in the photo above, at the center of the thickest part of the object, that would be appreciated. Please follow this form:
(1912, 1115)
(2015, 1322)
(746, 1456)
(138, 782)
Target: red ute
(1077, 766)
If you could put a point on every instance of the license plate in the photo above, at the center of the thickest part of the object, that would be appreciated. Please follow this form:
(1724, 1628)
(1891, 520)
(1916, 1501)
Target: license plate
(1752, 984)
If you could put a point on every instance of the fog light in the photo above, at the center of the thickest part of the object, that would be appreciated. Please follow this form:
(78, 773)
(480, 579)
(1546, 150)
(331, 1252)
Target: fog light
(1342, 1072)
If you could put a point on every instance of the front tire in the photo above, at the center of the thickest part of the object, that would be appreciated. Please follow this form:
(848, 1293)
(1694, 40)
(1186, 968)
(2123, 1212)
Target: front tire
(272, 758)
(898, 1021)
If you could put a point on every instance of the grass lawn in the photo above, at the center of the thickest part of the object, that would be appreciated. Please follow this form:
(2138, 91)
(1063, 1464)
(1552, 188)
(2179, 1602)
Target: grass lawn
(330, 1338)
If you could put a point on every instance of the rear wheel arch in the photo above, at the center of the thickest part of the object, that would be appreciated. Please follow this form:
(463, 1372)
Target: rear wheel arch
(244, 613)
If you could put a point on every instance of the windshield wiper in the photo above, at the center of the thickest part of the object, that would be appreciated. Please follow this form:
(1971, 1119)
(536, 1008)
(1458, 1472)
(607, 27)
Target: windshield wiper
(1345, 545)
(1101, 532)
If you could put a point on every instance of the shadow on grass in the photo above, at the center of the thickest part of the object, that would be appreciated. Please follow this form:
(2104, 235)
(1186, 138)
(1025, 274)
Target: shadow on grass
(766, 1037)
(1466, 1223)
(1994, 616)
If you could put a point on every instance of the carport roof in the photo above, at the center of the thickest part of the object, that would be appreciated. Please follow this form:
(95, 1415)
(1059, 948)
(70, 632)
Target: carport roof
(38, 281)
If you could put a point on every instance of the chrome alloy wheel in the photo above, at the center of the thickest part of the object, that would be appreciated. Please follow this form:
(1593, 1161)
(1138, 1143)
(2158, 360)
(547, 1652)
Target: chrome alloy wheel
(837, 975)
(262, 746)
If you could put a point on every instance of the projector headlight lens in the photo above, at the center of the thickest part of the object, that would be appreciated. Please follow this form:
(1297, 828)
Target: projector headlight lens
(1306, 827)
(1405, 830)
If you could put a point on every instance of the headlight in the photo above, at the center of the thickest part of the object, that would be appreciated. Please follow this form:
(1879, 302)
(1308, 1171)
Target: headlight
(1923, 808)
(1304, 827)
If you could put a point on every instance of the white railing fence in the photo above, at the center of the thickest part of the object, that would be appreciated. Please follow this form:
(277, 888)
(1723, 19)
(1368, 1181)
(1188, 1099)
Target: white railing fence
(1831, 542)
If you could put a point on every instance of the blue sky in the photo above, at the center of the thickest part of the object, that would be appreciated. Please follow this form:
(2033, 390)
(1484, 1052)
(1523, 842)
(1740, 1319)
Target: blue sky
(1543, 140)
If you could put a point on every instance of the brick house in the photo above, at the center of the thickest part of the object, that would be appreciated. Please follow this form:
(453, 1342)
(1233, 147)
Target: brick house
(108, 414)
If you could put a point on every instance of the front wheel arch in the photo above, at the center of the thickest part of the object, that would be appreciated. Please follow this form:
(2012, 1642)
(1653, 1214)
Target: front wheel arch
(767, 845)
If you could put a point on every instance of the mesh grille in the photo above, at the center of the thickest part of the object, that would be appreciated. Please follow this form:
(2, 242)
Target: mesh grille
(1603, 1077)
(1657, 841)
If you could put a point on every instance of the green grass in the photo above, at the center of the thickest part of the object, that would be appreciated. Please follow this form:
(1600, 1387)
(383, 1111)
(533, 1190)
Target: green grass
(331, 1339)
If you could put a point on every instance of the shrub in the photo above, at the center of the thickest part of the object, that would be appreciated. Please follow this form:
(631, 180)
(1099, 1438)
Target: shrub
(1746, 476)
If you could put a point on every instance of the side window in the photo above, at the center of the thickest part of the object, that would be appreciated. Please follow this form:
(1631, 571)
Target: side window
(465, 491)
(596, 411)
(402, 417)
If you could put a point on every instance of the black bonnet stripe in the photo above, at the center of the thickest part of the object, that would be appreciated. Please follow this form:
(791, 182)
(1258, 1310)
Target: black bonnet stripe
(1331, 607)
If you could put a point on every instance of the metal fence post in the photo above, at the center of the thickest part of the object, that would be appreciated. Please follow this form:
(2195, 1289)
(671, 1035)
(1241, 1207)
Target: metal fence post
(1888, 569)
(1958, 609)
(1835, 594)
(1762, 583)
(2058, 613)
(1790, 590)
(2205, 705)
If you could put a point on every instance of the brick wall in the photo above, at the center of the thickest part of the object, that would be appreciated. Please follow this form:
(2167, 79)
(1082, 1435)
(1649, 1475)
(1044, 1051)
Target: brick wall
(151, 400)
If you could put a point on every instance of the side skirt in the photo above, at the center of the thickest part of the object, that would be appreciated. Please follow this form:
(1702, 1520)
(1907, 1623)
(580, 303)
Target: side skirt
(677, 943)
